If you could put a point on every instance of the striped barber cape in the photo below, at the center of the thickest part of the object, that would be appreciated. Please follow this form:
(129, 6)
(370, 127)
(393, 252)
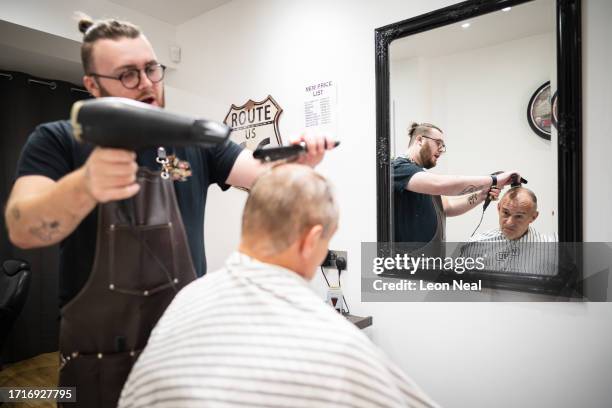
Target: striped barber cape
(256, 335)
(533, 253)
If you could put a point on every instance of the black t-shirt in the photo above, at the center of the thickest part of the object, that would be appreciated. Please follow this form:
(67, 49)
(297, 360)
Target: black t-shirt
(53, 152)
(415, 218)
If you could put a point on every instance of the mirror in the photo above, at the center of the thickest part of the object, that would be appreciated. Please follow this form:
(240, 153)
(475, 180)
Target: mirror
(486, 74)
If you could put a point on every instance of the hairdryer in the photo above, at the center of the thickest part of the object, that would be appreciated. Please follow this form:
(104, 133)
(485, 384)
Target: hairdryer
(129, 124)
(268, 154)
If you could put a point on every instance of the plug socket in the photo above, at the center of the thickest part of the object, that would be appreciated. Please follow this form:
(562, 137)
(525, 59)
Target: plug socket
(335, 259)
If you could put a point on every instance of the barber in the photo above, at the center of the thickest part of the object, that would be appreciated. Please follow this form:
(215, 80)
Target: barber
(422, 200)
(142, 255)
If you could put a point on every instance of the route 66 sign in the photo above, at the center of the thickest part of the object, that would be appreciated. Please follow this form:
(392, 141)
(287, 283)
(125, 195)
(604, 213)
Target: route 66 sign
(255, 124)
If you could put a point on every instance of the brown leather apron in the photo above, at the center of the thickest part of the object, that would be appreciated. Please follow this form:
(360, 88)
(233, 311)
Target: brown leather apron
(142, 260)
(440, 235)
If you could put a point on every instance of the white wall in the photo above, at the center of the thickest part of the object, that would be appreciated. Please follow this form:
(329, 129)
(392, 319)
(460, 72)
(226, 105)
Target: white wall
(597, 105)
(479, 97)
(468, 354)
(410, 95)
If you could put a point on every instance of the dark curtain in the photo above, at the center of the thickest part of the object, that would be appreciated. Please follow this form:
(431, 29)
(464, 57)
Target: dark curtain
(26, 102)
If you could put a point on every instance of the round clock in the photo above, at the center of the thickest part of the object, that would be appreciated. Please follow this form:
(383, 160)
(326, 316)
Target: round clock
(539, 111)
(554, 108)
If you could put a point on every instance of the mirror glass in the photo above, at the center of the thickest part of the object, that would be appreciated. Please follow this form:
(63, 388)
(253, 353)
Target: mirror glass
(475, 80)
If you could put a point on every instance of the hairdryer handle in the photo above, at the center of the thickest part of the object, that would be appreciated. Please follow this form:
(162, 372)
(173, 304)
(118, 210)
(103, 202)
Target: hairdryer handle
(487, 200)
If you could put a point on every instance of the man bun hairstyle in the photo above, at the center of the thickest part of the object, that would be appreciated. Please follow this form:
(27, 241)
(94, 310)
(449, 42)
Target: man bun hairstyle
(412, 129)
(417, 129)
(94, 30)
(84, 23)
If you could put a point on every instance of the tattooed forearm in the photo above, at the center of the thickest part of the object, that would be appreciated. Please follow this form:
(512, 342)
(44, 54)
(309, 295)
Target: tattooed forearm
(471, 189)
(473, 199)
(46, 231)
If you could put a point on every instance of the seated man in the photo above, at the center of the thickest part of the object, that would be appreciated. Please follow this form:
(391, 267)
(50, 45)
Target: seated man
(254, 333)
(515, 246)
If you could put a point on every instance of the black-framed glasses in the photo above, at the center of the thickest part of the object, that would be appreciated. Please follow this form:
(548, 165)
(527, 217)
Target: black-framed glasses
(131, 77)
(440, 143)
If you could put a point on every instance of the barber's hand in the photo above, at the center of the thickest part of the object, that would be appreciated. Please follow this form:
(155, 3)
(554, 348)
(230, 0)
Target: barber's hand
(505, 178)
(316, 146)
(493, 194)
(110, 174)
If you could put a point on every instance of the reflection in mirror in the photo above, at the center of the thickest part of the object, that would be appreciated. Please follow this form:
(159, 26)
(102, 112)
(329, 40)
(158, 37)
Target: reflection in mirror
(472, 75)
(472, 81)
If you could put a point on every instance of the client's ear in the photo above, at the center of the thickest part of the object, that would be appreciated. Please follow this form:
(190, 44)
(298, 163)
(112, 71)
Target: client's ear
(310, 240)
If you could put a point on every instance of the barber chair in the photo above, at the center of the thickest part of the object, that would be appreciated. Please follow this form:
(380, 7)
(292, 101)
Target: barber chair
(14, 283)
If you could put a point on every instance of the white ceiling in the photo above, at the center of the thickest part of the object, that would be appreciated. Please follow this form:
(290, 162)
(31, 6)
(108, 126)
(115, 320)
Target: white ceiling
(174, 12)
(524, 20)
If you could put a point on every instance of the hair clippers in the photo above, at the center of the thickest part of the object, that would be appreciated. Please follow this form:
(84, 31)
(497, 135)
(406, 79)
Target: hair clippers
(269, 154)
(516, 182)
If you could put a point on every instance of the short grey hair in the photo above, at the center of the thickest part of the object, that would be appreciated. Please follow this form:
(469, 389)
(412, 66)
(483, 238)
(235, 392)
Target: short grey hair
(284, 202)
(513, 193)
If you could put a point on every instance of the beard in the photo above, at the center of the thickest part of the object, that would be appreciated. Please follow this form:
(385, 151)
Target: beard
(426, 156)
(162, 102)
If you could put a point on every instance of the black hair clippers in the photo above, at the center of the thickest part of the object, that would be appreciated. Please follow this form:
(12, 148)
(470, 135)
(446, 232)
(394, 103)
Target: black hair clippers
(516, 182)
(269, 154)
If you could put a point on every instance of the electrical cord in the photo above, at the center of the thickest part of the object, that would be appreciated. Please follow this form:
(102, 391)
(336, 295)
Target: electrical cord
(478, 226)
(325, 276)
(341, 265)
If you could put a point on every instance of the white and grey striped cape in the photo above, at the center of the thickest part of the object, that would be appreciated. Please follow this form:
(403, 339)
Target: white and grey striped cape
(533, 253)
(256, 335)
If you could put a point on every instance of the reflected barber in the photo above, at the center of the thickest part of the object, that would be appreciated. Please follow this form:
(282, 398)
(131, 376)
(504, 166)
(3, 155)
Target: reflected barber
(422, 200)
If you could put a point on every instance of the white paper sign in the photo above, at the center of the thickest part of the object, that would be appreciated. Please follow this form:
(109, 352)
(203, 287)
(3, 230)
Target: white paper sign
(320, 108)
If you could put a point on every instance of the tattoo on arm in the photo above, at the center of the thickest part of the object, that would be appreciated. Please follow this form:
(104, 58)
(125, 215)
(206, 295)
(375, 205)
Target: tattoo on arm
(473, 199)
(471, 189)
(46, 231)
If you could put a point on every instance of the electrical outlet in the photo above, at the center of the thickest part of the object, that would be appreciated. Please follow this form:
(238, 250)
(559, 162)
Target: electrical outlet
(332, 256)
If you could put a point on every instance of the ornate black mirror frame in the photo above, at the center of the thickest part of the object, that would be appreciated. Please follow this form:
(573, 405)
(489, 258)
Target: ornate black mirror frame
(569, 126)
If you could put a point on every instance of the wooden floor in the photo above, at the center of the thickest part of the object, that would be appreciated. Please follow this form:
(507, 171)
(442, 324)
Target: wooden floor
(37, 372)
